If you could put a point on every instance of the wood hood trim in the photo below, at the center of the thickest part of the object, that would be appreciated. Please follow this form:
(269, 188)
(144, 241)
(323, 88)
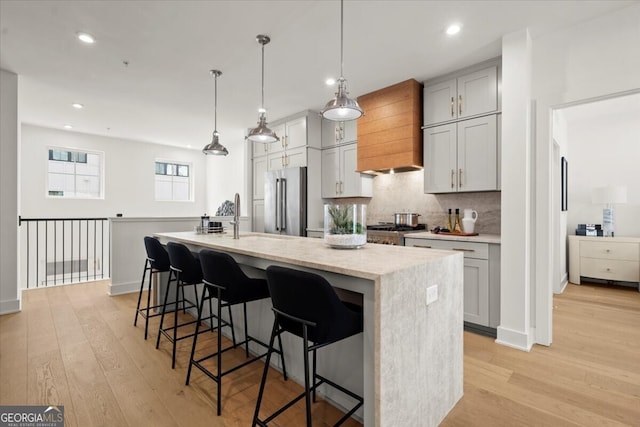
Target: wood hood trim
(389, 134)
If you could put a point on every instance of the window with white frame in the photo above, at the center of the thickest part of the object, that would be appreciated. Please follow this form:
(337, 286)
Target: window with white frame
(173, 181)
(75, 174)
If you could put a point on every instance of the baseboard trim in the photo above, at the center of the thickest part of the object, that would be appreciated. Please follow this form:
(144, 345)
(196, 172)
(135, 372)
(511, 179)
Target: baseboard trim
(10, 306)
(124, 288)
(515, 339)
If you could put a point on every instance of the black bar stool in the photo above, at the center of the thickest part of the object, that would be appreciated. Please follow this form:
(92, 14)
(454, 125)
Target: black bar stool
(225, 281)
(157, 262)
(306, 305)
(184, 271)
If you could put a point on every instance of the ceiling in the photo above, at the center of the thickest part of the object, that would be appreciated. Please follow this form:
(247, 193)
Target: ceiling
(147, 76)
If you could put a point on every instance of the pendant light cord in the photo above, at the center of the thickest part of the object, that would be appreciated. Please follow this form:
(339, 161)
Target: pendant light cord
(341, 39)
(215, 105)
(262, 103)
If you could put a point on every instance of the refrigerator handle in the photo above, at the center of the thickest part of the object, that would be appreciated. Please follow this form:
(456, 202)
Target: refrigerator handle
(277, 204)
(283, 199)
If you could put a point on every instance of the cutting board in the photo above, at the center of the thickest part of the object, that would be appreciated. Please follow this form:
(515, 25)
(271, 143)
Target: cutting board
(455, 233)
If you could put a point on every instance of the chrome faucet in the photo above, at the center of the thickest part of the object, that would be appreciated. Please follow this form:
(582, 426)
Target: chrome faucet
(236, 217)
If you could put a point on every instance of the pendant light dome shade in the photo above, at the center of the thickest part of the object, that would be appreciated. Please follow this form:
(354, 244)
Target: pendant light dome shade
(262, 133)
(214, 147)
(342, 107)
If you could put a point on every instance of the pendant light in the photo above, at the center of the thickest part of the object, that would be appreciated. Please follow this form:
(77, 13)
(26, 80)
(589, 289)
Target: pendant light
(342, 107)
(262, 133)
(214, 147)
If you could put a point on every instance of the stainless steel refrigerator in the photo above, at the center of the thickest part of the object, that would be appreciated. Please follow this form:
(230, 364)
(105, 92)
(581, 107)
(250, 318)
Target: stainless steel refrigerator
(285, 201)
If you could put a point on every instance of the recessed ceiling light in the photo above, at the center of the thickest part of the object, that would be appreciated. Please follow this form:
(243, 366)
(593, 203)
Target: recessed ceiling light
(77, 106)
(330, 82)
(86, 38)
(453, 29)
(67, 126)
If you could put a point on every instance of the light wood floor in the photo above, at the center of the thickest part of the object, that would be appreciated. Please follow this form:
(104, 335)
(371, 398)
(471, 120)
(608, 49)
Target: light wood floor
(76, 346)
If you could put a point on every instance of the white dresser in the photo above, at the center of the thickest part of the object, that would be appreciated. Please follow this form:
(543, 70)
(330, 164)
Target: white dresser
(606, 258)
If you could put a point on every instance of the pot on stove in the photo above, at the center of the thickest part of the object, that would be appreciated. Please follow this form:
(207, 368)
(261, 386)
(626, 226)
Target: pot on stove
(406, 219)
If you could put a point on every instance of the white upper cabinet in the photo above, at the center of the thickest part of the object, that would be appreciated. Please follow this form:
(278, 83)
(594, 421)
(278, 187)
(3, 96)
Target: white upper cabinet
(478, 154)
(330, 172)
(339, 176)
(440, 102)
(336, 133)
(259, 169)
(261, 149)
(440, 159)
(466, 96)
(461, 156)
(292, 133)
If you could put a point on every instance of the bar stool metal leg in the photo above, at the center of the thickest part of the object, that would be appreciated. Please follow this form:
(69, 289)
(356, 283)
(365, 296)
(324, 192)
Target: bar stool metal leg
(144, 273)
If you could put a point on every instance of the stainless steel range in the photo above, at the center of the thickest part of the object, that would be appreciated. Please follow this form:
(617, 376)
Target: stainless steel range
(390, 234)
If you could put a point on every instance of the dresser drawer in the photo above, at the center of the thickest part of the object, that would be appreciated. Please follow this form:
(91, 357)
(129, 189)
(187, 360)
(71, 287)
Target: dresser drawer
(610, 250)
(470, 249)
(609, 269)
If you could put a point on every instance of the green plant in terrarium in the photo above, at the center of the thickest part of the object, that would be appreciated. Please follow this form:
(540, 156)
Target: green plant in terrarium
(342, 219)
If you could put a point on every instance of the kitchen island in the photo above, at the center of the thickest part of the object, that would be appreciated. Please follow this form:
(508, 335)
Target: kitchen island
(408, 362)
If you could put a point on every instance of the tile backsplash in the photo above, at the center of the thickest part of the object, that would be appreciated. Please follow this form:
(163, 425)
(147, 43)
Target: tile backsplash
(403, 192)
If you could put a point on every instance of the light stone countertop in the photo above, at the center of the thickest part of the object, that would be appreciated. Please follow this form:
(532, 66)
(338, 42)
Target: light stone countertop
(369, 262)
(482, 238)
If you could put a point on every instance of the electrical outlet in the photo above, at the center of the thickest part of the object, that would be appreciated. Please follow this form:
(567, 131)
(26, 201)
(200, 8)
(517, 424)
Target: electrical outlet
(432, 294)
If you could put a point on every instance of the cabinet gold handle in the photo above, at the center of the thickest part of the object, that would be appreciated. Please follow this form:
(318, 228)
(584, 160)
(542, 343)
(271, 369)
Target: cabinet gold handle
(459, 105)
(282, 160)
(452, 175)
(608, 269)
(460, 178)
(607, 250)
(421, 246)
(452, 101)
(463, 250)
(341, 187)
(337, 187)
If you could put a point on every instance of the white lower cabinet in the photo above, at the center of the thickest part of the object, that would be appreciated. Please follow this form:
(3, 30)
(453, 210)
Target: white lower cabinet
(481, 279)
(476, 291)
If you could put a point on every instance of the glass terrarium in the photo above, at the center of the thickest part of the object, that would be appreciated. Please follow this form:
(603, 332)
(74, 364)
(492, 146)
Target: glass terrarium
(345, 225)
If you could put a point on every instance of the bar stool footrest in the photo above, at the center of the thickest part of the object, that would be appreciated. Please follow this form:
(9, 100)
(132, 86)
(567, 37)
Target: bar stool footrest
(323, 380)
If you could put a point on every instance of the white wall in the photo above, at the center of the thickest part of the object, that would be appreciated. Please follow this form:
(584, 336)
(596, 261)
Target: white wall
(560, 136)
(9, 169)
(128, 174)
(589, 60)
(605, 152)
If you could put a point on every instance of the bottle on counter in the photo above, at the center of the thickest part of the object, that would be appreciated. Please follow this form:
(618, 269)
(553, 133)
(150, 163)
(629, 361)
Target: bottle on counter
(449, 221)
(457, 227)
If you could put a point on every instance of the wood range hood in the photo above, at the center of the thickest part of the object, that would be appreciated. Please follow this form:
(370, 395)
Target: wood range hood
(390, 134)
